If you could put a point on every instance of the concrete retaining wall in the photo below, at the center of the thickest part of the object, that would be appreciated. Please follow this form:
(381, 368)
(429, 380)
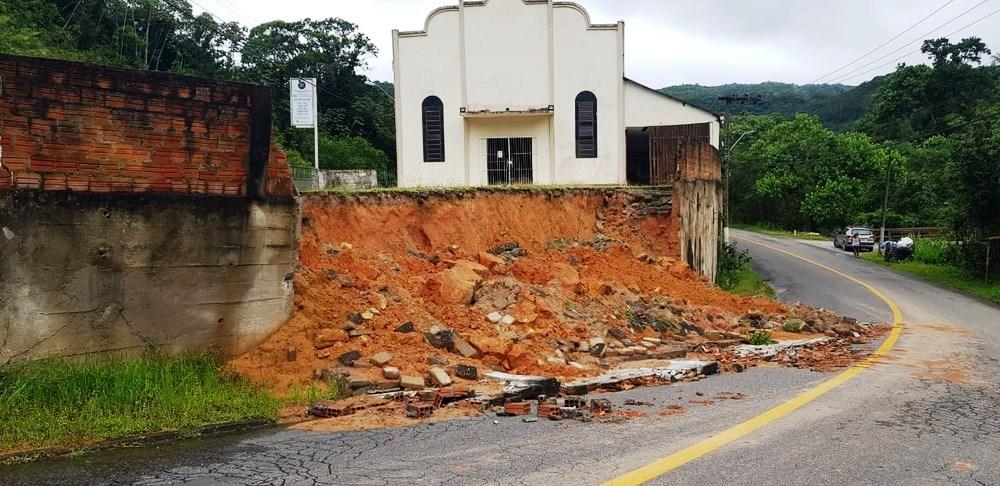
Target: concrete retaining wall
(84, 274)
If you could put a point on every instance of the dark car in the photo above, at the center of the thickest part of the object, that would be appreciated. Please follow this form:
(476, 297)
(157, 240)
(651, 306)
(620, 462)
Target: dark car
(843, 238)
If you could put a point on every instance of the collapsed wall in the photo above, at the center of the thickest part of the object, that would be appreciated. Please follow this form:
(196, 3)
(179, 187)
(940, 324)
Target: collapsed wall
(138, 210)
(525, 279)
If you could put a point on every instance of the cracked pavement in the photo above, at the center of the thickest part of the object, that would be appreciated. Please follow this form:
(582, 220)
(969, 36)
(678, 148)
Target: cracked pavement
(929, 413)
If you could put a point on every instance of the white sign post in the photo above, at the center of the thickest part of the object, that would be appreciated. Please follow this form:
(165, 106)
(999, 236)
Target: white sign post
(305, 109)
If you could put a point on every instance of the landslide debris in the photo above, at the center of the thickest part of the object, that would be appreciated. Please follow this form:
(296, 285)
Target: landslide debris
(409, 291)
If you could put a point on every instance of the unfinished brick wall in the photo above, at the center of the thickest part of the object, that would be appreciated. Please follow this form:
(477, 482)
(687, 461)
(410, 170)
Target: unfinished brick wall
(67, 126)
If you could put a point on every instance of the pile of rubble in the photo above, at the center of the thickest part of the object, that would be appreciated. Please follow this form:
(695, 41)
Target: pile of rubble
(579, 294)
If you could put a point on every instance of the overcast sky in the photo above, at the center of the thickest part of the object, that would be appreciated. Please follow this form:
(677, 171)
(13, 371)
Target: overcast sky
(708, 42)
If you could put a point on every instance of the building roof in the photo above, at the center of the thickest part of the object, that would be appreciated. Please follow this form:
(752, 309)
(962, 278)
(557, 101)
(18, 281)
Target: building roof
(683, 102)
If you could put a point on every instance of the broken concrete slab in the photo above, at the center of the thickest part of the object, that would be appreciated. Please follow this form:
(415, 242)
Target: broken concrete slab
(329, 337)
(410, 382)
(390, 373)
(769, 350)
(381, 358)
(675, 371)
(525, 387)
(440, 376)
(462, 347)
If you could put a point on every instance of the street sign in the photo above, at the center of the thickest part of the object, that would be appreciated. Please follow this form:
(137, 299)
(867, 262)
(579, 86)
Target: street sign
(304, 106)
(303, 102)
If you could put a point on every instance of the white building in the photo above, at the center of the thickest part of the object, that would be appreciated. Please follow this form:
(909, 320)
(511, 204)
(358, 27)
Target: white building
(530, 91)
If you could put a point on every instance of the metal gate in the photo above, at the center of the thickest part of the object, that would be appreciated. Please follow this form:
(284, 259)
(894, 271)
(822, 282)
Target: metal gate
(509, 160)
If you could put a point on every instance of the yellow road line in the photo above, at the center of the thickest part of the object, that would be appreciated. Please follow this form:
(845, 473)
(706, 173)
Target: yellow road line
(682, 457)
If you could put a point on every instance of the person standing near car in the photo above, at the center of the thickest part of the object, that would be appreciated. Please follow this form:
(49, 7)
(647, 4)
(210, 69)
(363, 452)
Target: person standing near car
(856, 244)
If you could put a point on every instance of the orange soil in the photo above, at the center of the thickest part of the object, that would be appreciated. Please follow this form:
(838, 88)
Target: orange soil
(393, 246)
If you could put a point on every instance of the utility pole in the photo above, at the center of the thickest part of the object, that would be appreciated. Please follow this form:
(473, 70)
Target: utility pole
(885, 205)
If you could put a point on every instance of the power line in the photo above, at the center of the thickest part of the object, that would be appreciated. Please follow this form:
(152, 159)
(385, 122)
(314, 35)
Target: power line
(851, 74)
(884, 43)
(876, 68)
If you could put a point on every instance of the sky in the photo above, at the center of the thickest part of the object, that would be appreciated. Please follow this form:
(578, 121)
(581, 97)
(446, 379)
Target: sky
(708, 42)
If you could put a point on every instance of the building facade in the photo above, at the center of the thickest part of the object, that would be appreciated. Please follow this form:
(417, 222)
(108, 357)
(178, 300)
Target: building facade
(524, 91)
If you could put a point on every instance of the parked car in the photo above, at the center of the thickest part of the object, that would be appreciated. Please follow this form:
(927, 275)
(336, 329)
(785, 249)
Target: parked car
(842, 238)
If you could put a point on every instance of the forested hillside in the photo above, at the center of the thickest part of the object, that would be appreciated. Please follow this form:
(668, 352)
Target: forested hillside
(931, 135)
(356, 117)
(838, 105)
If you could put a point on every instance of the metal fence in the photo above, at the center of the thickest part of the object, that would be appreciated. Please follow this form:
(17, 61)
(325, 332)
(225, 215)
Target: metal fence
(308, 179)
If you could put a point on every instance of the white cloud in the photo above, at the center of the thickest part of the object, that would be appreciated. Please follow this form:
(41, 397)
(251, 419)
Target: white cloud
(684, 41)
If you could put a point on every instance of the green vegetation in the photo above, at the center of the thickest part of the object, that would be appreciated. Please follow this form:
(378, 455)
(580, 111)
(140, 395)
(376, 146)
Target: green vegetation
(760, 338)
(946, 275)
(837, 105)
(66, 402)
(931, 134)
(792, 326)
(737, 276)
(356, 117)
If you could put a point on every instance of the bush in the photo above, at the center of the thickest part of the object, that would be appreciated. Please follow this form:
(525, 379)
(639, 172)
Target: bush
(792, 326)
(731, 262)
(760, 338)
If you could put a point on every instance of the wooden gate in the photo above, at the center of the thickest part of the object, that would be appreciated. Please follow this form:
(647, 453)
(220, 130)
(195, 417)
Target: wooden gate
(669, 145)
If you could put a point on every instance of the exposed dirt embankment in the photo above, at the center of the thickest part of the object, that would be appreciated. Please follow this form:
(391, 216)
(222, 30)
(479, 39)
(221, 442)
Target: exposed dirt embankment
(526, 281)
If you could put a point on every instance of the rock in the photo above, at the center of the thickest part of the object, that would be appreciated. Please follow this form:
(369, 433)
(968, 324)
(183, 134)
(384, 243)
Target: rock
(323, 354)
(390, 373)
(607, 289)
(381, 301)
(381, 359)
(359, 332)
(739, 367)
(411, 382)
(653, 340)
(597, 346)
(435, 329)
(556, 361)
(494, 317)
(617, 333)
(346, 326)
(565, 274)
(577, 365)
(355, 318)
(406, 327)
(440, 340)
(490, 261)
(367, 315)
(346, 281)
(328, 337)
(348, 358)
(437, 361)
(583, 346)
(440, 376)
(457, 285)
(291, 354)
(507, 320)
(466, 372)
(462, 347)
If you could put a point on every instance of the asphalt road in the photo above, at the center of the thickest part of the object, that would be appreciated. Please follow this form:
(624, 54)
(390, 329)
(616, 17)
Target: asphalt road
(927, 414)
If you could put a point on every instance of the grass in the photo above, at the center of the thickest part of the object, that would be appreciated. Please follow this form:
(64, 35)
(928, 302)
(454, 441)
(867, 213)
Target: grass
(746, 281)
(802, 235)
(942, 274)
(74, 403)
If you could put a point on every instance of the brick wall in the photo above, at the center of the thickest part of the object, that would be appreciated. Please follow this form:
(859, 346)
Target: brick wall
(67, 126)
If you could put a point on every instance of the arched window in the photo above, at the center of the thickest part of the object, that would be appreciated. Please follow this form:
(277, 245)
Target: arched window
(586, 125)
(433, 123)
